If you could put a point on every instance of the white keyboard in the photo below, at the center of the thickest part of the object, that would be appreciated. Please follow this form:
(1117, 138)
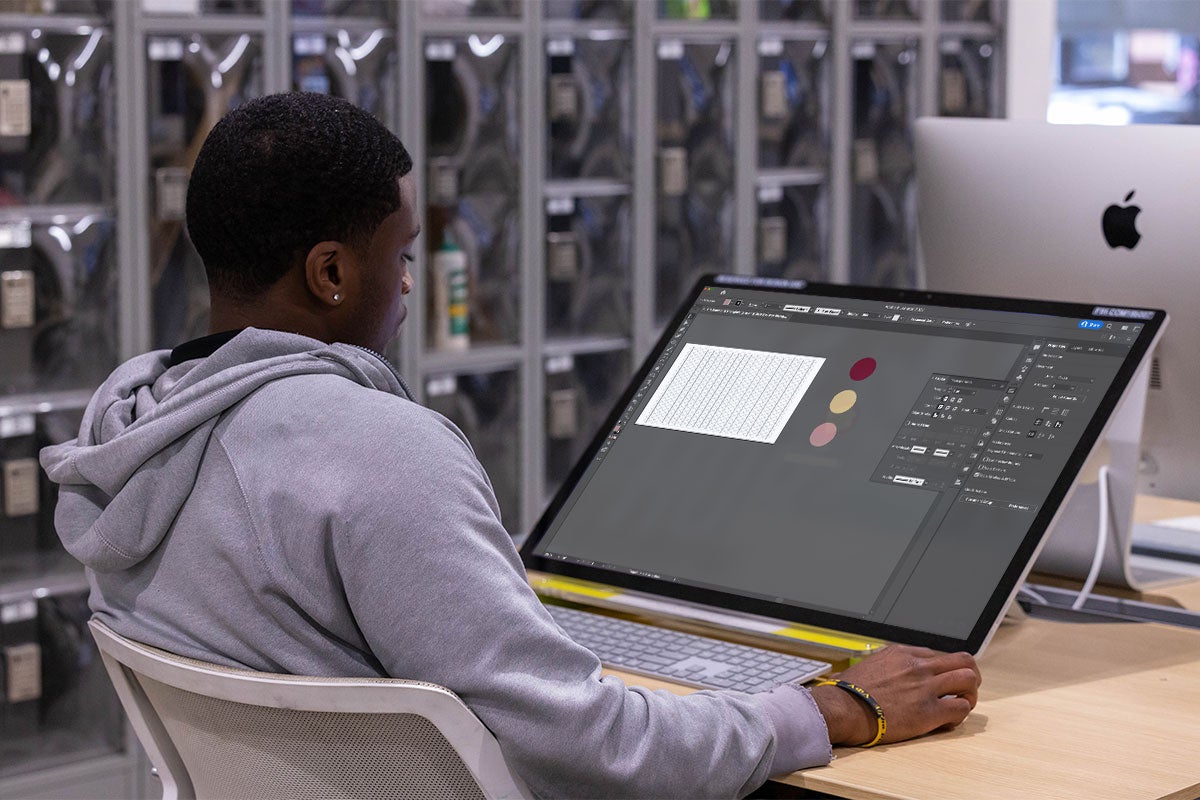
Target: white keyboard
(683, 657)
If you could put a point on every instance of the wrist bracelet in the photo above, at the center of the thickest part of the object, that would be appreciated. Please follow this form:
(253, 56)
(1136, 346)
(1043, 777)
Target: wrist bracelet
(862, 694)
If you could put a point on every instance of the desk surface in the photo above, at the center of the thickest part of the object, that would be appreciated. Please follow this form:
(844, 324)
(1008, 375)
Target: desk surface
(1066, 710)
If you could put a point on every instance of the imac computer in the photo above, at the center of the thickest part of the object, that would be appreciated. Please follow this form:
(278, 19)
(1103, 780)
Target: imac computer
(1087, 214)
(877, 462)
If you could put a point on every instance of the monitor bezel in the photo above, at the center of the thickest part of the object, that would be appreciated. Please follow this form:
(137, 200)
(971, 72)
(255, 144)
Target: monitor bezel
(1019, 564)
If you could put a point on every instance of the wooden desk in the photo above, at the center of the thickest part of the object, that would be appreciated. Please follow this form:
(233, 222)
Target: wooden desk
(1066, 711)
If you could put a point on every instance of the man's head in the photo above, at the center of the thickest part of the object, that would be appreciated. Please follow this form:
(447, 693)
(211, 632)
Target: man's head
(301, 208)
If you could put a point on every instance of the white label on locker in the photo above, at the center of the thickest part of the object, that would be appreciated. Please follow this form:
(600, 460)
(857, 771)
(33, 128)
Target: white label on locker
(308, 44)
(20, 611)
(439, 50)
(15, 112)
(672, 171)
(863, 51)
(170, 196)
(558, 206)
(954, 91)
(16, 299)
(556, 365)
(560, 47)
(670, 50)
(770, 194)
(774, 95)
(171, 6)
(564, 414)
(866, 161)
(165, 48)
(16, 235)
(20, 487)
(564, 97)
(441, 386)
(23, 663)
(17, 425)
(770, 47)
(12, 43)
(772, 240)
(562, 256)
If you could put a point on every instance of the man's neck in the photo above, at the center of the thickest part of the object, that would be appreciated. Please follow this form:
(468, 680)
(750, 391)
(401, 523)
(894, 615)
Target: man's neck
(273, 310)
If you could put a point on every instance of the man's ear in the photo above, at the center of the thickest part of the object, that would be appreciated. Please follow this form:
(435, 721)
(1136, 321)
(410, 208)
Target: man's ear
(326, 269)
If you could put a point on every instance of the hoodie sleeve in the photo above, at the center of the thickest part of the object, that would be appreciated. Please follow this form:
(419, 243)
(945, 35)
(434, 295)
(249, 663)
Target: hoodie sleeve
(440, 594)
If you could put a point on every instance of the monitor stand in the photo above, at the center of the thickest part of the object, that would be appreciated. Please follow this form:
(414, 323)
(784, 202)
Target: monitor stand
(1071, 545)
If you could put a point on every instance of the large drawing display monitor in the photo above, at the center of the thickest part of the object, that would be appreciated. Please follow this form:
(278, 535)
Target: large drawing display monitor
(873, 461)
(1079, 213)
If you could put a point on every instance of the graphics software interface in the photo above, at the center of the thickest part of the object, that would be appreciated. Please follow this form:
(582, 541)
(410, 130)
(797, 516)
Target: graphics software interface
(872, 459)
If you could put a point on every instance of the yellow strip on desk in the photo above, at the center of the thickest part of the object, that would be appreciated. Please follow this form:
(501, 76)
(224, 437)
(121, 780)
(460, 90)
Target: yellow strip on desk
(574, 587)
(823, 637)
(813, 635)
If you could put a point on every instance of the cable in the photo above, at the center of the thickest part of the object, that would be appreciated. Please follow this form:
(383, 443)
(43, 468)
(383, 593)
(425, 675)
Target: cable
(1101, 541)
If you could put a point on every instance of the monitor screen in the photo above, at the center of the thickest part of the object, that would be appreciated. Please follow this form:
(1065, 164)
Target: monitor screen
(876, 461)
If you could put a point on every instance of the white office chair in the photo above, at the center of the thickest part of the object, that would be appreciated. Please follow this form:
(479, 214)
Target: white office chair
(214, 732)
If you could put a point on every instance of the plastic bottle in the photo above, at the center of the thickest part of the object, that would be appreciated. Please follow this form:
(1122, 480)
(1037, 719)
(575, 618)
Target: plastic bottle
(450, 314)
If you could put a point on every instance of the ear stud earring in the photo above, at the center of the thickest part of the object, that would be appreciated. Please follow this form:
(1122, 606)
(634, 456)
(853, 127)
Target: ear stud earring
(337, 298)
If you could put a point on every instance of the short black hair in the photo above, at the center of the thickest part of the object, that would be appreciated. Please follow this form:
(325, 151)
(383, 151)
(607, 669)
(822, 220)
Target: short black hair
(281, 173)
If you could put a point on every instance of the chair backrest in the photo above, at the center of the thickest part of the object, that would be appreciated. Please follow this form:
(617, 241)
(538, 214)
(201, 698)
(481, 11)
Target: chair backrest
(211, 731)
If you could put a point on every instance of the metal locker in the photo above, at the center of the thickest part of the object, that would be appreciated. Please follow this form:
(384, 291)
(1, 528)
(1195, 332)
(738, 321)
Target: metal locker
(59, 298)
(581, 390)
(695, 180)
(793, 107)
(883, 208)
(473, 140)
(793, 232)
(57, 132)
(194, 80)
(587, 107)
(588, 266)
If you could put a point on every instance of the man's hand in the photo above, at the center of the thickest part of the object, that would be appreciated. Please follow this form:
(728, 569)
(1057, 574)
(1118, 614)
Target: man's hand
(920, 690)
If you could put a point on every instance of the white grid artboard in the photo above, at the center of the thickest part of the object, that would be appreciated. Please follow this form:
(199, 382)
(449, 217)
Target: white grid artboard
(730, 392)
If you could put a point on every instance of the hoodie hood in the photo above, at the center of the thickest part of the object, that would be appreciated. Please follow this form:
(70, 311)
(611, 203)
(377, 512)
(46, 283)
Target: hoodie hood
(146, 429)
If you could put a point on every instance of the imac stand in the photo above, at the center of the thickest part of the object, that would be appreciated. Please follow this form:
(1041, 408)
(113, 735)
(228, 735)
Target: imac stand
(1071, 546)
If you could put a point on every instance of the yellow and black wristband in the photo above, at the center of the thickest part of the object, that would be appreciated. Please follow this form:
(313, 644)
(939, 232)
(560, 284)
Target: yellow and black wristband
(863, 695)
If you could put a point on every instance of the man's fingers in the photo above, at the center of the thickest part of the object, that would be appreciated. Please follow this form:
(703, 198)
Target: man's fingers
(961, 682)
(949, 662)
(954, 710)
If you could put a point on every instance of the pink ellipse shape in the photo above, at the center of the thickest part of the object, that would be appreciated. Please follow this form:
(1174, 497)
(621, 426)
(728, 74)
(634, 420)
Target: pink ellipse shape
(862, 369)
(822, 434)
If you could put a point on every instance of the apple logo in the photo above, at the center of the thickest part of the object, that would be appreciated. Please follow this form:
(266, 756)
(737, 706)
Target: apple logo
(1119, 224)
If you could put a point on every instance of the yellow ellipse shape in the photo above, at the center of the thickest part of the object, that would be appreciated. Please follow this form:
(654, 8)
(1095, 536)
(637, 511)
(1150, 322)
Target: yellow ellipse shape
(843, 401)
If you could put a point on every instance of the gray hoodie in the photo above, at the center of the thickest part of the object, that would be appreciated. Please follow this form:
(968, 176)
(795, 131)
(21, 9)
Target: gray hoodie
(281, 505)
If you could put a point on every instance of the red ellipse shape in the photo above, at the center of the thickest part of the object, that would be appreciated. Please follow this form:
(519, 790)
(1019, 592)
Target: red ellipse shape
(862, 369)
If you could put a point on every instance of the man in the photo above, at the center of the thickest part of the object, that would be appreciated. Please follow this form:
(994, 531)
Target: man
(269, 497)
